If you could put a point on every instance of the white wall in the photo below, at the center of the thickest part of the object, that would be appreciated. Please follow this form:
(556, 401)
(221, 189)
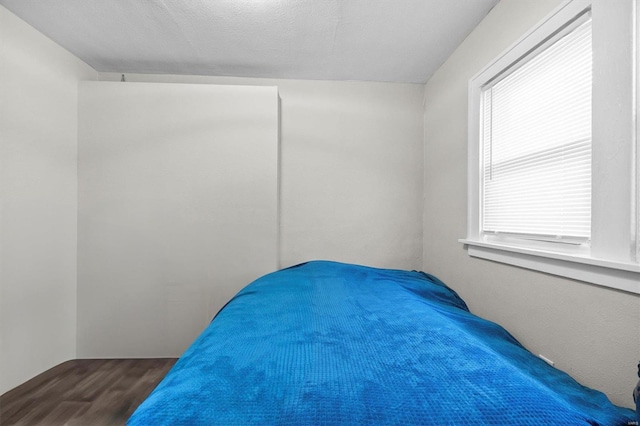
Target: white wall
(591, 332)
(351, 185)
(177, 210)
(38, 195)
(351, 169)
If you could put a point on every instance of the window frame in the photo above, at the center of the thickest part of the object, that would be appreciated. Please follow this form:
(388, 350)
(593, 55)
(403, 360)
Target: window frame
(613, 255)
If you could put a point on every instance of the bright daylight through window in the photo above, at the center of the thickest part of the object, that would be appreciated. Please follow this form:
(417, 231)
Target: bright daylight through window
(553, 149)
(536, 143)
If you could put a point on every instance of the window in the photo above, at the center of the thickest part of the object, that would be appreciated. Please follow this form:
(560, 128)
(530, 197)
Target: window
(536, 143)
(552, 149)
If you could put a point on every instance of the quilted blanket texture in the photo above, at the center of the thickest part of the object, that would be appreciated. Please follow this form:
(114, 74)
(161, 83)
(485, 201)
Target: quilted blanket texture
(325, 343)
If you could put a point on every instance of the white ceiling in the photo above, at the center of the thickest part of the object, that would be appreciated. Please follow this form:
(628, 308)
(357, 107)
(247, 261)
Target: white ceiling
(369, 40)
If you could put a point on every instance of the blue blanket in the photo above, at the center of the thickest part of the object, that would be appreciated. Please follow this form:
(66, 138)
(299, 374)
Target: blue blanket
(326, 343)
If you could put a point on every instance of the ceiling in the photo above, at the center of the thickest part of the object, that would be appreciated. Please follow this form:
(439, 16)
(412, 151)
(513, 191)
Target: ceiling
(369, 40)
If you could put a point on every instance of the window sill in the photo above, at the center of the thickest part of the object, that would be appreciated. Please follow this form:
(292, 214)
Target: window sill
(618, 275)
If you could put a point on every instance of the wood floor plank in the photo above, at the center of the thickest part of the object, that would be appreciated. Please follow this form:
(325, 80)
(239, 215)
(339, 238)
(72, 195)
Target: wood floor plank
(83, 392)
(64, 412)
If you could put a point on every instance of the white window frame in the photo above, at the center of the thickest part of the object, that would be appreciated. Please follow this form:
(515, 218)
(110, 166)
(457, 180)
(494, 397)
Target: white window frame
(612, 258)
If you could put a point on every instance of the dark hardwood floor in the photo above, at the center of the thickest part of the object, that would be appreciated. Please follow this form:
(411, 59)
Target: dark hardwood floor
(86, 392)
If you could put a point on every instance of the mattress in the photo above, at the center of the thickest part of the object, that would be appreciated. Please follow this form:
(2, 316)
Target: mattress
(326, 343)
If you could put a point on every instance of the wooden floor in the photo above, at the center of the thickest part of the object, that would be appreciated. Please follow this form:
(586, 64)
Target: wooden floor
(89, 392)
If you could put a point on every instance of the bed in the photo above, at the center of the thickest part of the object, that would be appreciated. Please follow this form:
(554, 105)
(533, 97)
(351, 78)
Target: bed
(326, 343)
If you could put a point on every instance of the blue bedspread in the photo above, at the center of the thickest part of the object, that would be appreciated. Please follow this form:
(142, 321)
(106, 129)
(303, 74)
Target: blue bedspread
(326, 343)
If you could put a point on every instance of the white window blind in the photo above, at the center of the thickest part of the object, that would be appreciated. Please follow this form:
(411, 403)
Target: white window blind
(536, 143)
